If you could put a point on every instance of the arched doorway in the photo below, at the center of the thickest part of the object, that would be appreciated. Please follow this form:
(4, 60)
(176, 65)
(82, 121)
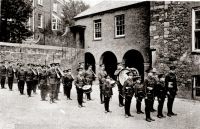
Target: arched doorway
(109, 59)
(90, 60)
(134, 58)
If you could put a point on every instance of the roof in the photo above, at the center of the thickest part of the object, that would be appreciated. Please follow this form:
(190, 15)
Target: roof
(106, 6)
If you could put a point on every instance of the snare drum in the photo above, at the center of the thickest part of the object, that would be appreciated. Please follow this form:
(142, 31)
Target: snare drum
(87, 88)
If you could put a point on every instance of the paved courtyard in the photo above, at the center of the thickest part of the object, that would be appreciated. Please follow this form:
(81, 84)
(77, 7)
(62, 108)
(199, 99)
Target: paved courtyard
(21, 112)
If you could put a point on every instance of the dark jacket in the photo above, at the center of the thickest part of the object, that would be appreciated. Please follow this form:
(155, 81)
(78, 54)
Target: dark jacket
(3, 71)
(171, 84)
(102, 74)
(107, 88)
(43, 77)
(67, 80)
(10, 72)
(52, 76)
(29, 75)
(161, 90)
(21, 74)
(128, 87)
(79, 81)
(139, 90)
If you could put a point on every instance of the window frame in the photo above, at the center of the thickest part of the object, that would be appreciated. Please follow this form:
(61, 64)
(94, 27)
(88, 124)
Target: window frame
(194, 30)
(58, 23)
(195, 87)
(115, 19)
(94, 30)
(41, 21)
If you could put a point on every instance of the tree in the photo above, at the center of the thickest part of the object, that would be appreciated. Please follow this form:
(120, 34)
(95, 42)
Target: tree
(71, 9)
(15, 15)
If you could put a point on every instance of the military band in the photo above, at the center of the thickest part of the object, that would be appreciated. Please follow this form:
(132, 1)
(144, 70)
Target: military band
(48, 80)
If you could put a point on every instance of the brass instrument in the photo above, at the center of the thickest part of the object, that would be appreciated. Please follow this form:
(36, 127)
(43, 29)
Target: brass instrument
(58, 76)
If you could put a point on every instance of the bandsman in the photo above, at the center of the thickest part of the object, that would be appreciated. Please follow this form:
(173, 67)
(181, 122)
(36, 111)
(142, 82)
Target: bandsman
(90, 77)
(102, 75)
(79, 82)
(58, 81)
(43, 82)
(171, 84)
(155, 78)
(120, 87)
(149, 84)
(161, 94)
(10, 75)
(128, 91)
(35, 77)
(107, 92)
(67, 83)
(139, 94)
(3, 74)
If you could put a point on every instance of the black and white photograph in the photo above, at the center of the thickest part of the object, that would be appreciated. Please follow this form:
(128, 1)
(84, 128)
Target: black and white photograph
(99, 64)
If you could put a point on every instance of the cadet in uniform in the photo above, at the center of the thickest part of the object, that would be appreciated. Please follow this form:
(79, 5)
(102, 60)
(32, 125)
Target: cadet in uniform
(139, 94)
(52, 76)
(102, 74)
(67, 83)
(90, 76)
(2, 74)
(128, 91)
(21, 78)
(149, 84)
(155, 76)
(43, 82)
(161, 94)
(35, 77)
(29, 79)
(171, 84)
(57, 65)
(107, 91)
(79, 82)
(120, 87)
(10, 75)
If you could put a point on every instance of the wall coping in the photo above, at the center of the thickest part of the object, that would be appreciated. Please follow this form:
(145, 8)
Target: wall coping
(32, 46)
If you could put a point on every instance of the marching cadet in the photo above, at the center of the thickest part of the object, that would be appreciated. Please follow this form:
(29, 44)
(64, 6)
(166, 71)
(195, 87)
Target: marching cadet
(3, 74)
(161, 94)
(29, 79)
(21, 78)
(53, 77)
(102, 74)
(139, 94)
(35, 77)
(149, 84)
(107, 91)
(10, 75)
(128, 91)
(43, 82)
(171, 84)
(120, 87)
(79, 82)
(67, 83)
(90, 76)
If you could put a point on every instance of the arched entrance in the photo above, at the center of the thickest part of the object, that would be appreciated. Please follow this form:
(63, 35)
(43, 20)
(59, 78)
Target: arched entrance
(134, 58)
(109, 59)
(90, 60)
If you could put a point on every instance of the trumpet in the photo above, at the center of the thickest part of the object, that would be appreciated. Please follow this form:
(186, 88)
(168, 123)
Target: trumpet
(58, 76)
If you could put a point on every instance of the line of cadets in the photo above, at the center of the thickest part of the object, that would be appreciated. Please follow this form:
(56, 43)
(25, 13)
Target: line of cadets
(48, 80)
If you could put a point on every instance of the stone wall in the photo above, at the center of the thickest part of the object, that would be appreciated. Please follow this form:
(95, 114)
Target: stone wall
(40, 54)
(171, 37)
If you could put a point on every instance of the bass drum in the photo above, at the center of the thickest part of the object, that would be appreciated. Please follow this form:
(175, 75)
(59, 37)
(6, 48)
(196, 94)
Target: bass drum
(123, 74)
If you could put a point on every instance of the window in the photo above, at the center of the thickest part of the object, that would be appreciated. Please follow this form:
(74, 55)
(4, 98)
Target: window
(97, 29)
(56, 23)
(40, 21)
(196, 30)
(40, 2)
(119, 26)
(196, 86)
(55, 7)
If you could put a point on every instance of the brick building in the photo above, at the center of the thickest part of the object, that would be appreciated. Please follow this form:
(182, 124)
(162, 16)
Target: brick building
(145, 34)
(47, 14)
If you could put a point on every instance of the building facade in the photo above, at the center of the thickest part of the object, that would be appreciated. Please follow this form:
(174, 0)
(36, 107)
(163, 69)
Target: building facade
(143, 35)
(47, 15)
(118, 33)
